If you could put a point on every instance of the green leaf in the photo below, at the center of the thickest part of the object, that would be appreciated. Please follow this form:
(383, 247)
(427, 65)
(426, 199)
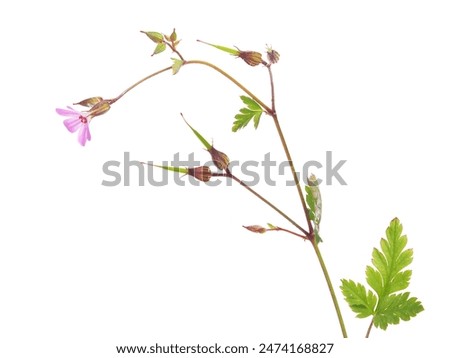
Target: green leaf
(251, 104)
(361, 301)
(386, 277)
(395, 308)
(391, 260)
(374, 279)
(198, 135)
(177, 63)
(252, 111)
(159, 48)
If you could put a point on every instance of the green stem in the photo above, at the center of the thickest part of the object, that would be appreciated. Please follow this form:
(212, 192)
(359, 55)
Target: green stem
(330, 288)
(305, 208)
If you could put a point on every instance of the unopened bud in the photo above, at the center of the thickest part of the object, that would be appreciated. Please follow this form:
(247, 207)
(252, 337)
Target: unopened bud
(272, 55)
(220, 159)
(252, 58)
(312, 180)
(156, 37)
(200, 173)
(89, 102)
(256, 228)
(99, 109)
(173, 36)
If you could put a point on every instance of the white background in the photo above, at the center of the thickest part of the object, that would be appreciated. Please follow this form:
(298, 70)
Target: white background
(84, 267)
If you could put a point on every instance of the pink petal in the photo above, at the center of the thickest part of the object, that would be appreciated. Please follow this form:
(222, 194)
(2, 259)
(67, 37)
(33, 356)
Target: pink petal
(88, 133)
(72, 124)
(70, 112)
(84, 134)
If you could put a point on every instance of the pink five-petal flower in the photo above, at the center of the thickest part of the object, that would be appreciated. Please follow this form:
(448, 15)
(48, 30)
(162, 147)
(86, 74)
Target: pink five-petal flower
(76, 121)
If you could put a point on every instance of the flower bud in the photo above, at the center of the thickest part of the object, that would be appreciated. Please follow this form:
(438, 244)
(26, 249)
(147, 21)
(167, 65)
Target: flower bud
(220, 159)
(156, 37)
(272, 55)
(200, 173)
(89, 102)
(99, 109)
(256, 229)
(252, 58)
(173, 36)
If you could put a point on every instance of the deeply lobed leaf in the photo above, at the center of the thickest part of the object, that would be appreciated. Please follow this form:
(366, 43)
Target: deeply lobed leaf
(360, 301)
(395, 308)
(390, 261)
(374, 279)
(246, 114)
(385, 277)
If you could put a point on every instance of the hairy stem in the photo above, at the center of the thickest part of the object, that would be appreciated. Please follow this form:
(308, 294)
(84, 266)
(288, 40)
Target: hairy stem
(330, 288)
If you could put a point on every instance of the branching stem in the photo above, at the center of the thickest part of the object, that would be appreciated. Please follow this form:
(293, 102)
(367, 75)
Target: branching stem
(272, 112)
(259, 196)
